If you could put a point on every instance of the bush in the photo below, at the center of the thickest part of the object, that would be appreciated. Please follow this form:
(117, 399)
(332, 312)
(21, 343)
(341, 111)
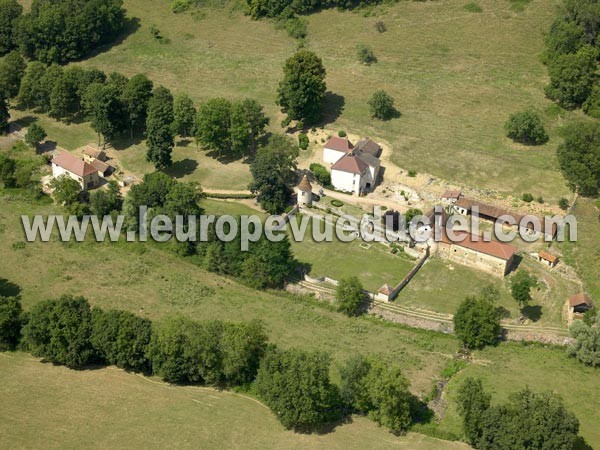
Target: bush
(412, 173)
(296, 27)
(350, 296)
(337, 203)
(527, 197)
(341, 133)
(60, 330)
(380, 26)
(381, 105)
(540, 199)
(563, 203)
(527, 128)
(366, 55)
(10, 322)
(477, 322)
(295, 385)
(473, 7)
(303, 141)
(321, 174)
(286, 122)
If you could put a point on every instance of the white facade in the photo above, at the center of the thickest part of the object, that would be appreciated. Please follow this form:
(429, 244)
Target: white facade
(349, 182)
(331, 156)
(88, 182)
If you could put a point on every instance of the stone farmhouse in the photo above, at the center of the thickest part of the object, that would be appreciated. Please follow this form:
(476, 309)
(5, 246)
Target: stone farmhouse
(577, 305)
(67, 164)
(354, 168)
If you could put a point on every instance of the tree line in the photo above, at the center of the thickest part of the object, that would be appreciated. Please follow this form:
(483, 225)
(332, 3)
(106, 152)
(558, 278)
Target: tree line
(294, 383)
(57, 31)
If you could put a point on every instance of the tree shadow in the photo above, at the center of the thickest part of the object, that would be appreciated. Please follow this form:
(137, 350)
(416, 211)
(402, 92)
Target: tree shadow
(124, 142)
(503, 312)
(532, 312)
(185, 142)
(515, 265)
(581, 444)
(182, 168)
(131, 25)
(8, 289)
(22, 122)
(333, 108)
(324, 428)
(223, 159)
(46, 147)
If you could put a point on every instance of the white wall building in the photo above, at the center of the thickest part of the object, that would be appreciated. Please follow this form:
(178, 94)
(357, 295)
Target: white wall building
(335, 148)
(66, 164)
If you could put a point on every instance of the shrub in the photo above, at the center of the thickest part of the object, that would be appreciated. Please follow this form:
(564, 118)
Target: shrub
(295, 385)
(341, 133)
(526, 127)
(337, 203)
(303, 141)
(10, 322)
(60, 331)
(540, 199)
(412, 173)
(366, 55)
(477, 323)
(473, 7)
(296, 27)
(381, 105)
(563, 203)
(321, 174)
(350, 295)
(380, 26)
(527, 197)
(286, 122)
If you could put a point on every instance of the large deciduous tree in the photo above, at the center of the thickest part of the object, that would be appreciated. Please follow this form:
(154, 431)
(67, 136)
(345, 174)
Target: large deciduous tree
(10, 10)
(273, 173)
(350, 296)
(12, 70)
(301, 93)
(477, 322)
(135, 97)
(579, 157)
(159, 128)
(526, 127)
(184, 114)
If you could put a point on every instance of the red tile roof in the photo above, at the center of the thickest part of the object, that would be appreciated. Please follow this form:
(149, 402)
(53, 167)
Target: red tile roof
(451, 194)
(350, 163)
(492, 248)
(100, 166)
(339, 144)
(73, 164)
(548, 256)
(579, 299)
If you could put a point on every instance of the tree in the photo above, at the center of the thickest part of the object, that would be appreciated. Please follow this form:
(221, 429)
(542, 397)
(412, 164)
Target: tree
(381, 105)
(10, 322)
(35, 134)
(159, 128)
(477, 322)
(473, 404)
(579, 157)
(135, 97)
(12, 70)
(60, 330)
(242, 346)
(376, 386)
(592, 105)
(520, 287)
(564, 37)
(586, 347)
(101, 103)
(63, 99)
(184, 115)
(61, 30)
(10, 10)
(212, 125)
(31, 92)
(105, 201)
(301, 93)
(350, 296)
(267, 264)
(4, 113)
(8, 167)
(273, 170)
(121, 339)
(572, 77)
(254, 122)
(295, 385)
(65, 190)
(526, 127)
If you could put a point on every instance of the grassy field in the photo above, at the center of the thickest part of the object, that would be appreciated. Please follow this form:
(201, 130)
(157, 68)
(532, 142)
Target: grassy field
(53, 407)
(372, 263)
(454, 88)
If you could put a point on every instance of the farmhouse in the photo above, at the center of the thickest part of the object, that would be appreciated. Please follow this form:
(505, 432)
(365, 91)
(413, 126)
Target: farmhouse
(450, 197)
(496, 258)
(466, 206)
(577, 305)
(354, 168)
(91, 152)
(67, 164)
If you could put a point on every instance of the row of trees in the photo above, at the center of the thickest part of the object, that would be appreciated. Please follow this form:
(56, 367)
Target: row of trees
(59, 30)
(285, 9)
(572, 54)
(528, 420)
(295, 384)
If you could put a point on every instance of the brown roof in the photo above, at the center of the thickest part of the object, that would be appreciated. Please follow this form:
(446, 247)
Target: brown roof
(548, 256)
(369, 146)
(305, 184)
(100, 166)
(350, 163)
(386, 289)
(495, 212)
(94, 152)
(579, 299)
(492, 248)
(73, 164)
(451, 194)
(339, 144)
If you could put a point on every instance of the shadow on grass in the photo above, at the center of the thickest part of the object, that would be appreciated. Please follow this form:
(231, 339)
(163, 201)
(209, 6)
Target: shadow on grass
(182, 168)
(532, 312)
(8, 289)
(46, 147)
(131, 25)
(333, 108)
